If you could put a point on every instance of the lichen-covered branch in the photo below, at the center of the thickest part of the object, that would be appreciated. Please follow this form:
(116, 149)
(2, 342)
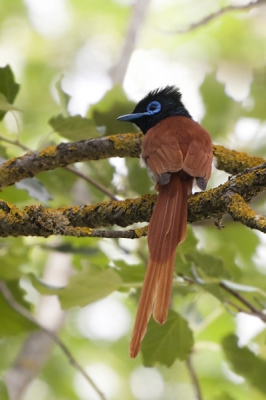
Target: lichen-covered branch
(240, 211)
(122, 145)
(64, 154)
(233, 161)
(76, 221)
(84, 220)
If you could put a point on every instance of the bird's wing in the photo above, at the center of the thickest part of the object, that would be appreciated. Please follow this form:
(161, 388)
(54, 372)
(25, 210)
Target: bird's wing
(178, 143)
(198, 159)
(161, 150)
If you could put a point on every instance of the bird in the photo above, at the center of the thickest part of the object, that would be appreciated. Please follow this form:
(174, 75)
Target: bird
(177, 152)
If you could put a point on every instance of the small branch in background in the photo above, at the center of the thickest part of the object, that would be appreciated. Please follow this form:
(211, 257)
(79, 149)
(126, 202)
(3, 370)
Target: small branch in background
(252, 309)
(136, 21)
(214, 16)
(101, 233)
(26, 314)
(91, 182)
(14, 143)
(194, 378)
(37, 346)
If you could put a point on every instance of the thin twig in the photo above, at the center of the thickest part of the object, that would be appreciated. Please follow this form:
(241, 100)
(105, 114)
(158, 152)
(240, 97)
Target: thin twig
(194, 378)
(252, 309)
(92, 182)
(24, 312)
(215, 15)
(239, 309)
(14, 143)
(244, 301)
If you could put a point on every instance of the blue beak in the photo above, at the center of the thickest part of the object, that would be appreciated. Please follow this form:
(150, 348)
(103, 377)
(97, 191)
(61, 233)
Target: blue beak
(131, 117)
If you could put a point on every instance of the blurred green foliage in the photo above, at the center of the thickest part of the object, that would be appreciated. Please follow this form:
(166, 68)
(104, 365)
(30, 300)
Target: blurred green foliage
(46, 65)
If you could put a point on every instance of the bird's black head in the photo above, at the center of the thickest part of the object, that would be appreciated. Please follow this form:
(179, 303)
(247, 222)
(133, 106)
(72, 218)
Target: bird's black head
(157, 105)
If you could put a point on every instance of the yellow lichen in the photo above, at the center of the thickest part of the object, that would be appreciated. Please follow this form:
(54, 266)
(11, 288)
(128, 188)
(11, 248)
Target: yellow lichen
(233, 161)
(141, 231)
(49, 151)
(119, 140)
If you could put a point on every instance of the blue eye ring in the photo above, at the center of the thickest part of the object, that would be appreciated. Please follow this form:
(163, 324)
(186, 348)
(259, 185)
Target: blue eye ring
(154, 107)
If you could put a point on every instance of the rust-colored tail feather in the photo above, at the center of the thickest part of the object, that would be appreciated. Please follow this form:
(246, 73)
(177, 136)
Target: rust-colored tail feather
(166, 230)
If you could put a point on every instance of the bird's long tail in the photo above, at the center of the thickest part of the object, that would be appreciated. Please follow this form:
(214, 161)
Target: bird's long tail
(167, 229)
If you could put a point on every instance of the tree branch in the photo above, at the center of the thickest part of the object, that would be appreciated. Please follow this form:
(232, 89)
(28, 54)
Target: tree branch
(234, 162)
(64, 154)
(121, 145)
(74, 171)
(100, 187)
(194, 378)
(240, 211)
(37, 346)
(137, 18)
(82, 220)
(215, 15)
(252, 310)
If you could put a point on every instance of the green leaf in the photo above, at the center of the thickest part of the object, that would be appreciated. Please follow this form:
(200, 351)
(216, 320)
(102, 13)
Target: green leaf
(8, 88)
(245, 363)
(43, 287)
(190, 244)
(13, 254)
(221, 111)
(163, 344)
(5, 105)
(88, 286)
(63, 96)
(209, 268)
(83, 288)
(12, 322)
(112, 105)
(74, 128)
(35, 189)
(236, 245)
(257, 93)
(215, 290)
(3, 391)
(130, 273)
(138, 178)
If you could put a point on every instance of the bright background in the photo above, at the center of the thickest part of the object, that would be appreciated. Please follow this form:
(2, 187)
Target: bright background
(220, 68)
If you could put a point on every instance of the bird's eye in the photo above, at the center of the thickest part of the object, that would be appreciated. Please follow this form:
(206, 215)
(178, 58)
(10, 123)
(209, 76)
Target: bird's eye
(154, 107)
